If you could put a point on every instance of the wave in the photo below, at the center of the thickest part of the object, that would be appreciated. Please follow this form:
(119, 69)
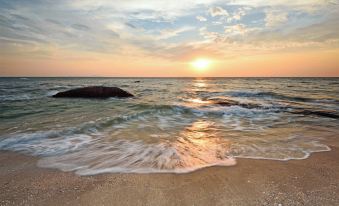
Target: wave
(270, 95)
(16, 97)
(44, 143)
(28, 95)
(227, 102)
(334, 83)
(137, 157)
(51, 93)
(193, 149)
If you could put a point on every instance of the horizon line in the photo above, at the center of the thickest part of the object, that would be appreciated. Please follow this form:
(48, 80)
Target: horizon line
(169, 77)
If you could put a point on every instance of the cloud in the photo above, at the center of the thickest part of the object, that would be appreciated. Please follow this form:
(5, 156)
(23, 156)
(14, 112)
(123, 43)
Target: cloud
(130, 25)
(162, 28)
(272, 3)
(80, 27)
(208, 35)
(113, 34)
(53, 21)
(201, 18)
(237, 15)
(169, 33)
(147, 9)
(275, 18)
(226, 16)
(16, 16)
(236, 29)
(218, 11)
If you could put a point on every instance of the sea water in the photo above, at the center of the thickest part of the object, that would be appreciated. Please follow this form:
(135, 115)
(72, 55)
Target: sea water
(171, 125)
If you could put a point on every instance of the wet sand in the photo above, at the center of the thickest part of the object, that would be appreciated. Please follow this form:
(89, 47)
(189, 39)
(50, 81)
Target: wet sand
(314, 181)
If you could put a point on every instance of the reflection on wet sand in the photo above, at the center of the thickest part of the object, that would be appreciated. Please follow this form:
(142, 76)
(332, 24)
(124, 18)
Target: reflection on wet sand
(199, 145)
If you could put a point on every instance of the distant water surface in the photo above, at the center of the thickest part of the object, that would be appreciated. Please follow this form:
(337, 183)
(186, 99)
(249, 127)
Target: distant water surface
(172, 125)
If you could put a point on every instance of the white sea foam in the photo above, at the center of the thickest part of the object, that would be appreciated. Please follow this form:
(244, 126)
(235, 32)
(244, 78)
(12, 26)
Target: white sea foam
(194, 147)
(51, 93)
(138, 157)
(16, 97)
(44, 143)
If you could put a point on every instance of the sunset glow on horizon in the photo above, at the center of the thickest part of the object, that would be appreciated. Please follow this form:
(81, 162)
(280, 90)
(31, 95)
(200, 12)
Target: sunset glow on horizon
(149, 38)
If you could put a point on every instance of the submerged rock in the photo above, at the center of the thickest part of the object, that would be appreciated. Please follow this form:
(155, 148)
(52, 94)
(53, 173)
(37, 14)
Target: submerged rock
(322, 113)
(94, 92)
(228, 102)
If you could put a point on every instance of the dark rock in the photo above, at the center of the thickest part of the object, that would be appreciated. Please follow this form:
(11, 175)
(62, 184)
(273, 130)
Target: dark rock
(137, 81)
(94, 92)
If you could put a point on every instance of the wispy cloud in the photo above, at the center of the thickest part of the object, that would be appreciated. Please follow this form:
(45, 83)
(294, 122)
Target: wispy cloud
(275, 18)
(80, 27)
(172, 29)
(218, 11)
(201, 18)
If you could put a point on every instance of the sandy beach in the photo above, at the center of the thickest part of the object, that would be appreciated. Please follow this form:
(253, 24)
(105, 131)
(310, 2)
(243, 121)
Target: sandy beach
(314, 181)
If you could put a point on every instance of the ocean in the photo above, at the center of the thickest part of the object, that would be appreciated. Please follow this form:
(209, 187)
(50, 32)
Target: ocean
(172, 125)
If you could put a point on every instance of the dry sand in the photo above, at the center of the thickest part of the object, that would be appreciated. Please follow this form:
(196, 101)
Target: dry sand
(314, 181)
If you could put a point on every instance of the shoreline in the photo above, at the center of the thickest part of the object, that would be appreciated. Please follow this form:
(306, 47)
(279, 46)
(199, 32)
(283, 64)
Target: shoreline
(312, 181)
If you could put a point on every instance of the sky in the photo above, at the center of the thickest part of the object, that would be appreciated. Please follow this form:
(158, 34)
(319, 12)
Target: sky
(161, 38)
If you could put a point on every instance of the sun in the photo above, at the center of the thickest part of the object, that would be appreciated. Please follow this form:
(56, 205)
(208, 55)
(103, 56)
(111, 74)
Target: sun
(201, 64)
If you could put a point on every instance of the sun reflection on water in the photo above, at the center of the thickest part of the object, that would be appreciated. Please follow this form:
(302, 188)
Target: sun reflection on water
(197, 101)
(200, 83)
